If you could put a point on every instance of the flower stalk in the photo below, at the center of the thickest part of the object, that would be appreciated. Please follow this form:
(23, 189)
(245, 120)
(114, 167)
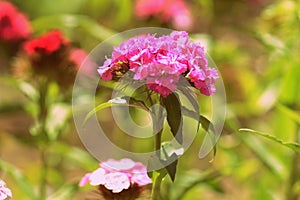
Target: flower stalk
(294, 178)
(158, 121)
(43, 135)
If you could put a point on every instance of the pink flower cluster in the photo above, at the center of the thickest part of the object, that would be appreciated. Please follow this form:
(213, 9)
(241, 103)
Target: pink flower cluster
(117, 175)
(175, 11)
(4, 191)
(13, 24)
(161, 62)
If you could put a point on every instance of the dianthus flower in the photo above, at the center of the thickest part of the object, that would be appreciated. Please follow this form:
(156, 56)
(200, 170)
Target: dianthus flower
(51, 56)
(13, 24)
(4, 191)
(118, 175)
(175, 11)
(46, 44)
(161, 62)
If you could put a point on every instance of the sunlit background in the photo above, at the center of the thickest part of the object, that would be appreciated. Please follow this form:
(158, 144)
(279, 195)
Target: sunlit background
(255, 45)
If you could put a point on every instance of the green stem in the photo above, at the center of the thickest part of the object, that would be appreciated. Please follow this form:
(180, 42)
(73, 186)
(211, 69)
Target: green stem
(43, 109)
(294, 178)
(43, 178)
(43, 139)
(156, 187)
(158, 120)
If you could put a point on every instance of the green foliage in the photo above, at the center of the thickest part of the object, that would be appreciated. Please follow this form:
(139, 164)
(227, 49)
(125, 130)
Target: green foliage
(174, 115)
(292, 145)
(256, 48)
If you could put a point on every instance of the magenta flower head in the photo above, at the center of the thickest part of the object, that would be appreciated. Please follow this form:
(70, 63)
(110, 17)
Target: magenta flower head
(117, 175)
(161, 62)
(5, 192)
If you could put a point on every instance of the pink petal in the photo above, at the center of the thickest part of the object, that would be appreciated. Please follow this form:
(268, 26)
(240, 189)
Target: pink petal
(116, 182)
(85, 180)
(98, 177)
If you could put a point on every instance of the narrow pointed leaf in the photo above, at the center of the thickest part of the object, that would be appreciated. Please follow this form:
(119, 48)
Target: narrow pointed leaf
(192, 97)
(171, 168)
(174, 118)
(113, 102)
(209, 128)
(292, 145)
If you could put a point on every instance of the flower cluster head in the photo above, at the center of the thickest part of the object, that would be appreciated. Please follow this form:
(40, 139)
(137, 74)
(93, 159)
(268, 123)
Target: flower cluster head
(4, 191)
(118, 175)
(175, 11)
(13, 24)
(161, 62)
(50, 56)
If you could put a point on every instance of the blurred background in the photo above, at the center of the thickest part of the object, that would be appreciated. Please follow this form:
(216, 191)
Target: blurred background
(255, 45)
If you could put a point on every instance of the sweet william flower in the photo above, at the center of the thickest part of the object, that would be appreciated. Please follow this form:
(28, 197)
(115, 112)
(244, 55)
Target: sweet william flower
(160, 62)
(118, 175)
(13, 24)
(5, 192)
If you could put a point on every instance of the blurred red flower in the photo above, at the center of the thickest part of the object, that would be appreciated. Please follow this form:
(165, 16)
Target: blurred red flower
(45, 44)
(13, 24)
(175, 11)
(49, 56)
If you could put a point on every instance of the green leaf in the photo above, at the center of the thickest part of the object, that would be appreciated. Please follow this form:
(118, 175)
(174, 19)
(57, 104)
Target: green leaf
(57, 119)
(292, 145)
(192, 98)
(19, 178)
(113, 102)
(290, 113)
(64, 193)
(168, 149)
(206, 125)
(209, 128)
(169, 152)
(174, 117)
(171, 168)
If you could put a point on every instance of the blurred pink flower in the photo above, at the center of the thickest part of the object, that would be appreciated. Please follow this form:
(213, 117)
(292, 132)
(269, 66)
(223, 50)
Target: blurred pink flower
(118, 175)
(83, 62)
(77, 56)
(4, 191)
(13, 24)
(175, 11)
(161, 62)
